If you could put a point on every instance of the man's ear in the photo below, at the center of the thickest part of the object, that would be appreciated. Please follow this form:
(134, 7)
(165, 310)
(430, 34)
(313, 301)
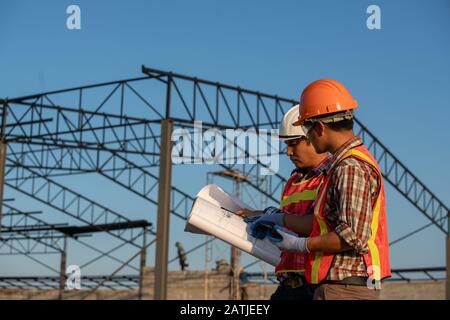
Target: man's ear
(320, 127)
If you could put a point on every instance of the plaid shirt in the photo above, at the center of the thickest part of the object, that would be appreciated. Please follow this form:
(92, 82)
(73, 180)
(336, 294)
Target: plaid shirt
(353, 190)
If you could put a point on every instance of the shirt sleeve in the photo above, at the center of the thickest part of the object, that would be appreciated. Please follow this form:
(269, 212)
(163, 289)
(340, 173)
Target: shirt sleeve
(353, 194)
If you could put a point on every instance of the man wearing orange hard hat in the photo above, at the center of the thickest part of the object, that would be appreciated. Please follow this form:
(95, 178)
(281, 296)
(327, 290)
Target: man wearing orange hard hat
(348, 248)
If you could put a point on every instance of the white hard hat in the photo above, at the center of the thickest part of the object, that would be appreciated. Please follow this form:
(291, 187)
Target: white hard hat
(287, 130)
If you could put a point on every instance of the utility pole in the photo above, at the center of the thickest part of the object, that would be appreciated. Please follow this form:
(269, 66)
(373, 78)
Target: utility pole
(237, 179)
(208, 250)
(208, 257)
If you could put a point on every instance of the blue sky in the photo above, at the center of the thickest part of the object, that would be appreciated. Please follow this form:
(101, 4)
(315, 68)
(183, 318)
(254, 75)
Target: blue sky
(400, 74)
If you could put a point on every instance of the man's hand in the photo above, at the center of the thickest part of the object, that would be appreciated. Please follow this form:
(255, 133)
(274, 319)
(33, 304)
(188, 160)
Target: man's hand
(262, 225)
(272, 215)
(288, 241)
(244, 213)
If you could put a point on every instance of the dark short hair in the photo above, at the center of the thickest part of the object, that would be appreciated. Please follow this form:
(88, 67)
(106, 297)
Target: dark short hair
(344, 125)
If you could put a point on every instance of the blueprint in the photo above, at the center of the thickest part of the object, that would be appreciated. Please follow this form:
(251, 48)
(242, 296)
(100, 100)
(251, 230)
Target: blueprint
(212, 214)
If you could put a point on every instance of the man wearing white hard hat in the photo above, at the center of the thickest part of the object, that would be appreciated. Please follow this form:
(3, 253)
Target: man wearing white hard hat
(298, 197)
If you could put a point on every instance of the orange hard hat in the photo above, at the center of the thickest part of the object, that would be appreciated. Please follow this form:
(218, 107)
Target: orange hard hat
(323, 97)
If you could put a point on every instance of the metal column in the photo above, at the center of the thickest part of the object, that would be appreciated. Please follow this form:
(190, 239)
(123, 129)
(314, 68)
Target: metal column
(165, 183)
(162, 233)
(142, 265)
(447, 286)
(235, 252)
(62, 270)
(3, 149)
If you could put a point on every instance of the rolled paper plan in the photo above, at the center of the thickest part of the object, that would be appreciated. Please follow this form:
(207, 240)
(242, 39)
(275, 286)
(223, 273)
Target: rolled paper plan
(213, 214)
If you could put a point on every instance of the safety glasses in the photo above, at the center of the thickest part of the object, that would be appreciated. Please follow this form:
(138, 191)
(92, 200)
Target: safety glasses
(307, 127)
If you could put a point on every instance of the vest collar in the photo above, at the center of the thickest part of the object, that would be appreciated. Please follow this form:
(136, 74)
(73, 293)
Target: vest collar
(337, 156)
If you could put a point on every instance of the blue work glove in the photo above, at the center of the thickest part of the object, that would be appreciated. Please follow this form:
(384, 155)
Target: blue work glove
(272, 215)
(263, 224)
(287, 241)
(260, 230)
(256, 231)
(251, 219)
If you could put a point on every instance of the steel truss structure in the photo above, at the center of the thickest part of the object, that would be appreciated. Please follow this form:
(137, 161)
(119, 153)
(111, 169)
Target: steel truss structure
(116, 131)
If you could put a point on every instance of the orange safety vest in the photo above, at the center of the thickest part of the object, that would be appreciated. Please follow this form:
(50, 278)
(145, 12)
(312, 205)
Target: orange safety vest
(297, 198)
(377, 259)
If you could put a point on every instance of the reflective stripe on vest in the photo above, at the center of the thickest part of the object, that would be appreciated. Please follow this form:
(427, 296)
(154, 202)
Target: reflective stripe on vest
(305, 195)
(373, 249)
(297, 199)
(323, 231)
